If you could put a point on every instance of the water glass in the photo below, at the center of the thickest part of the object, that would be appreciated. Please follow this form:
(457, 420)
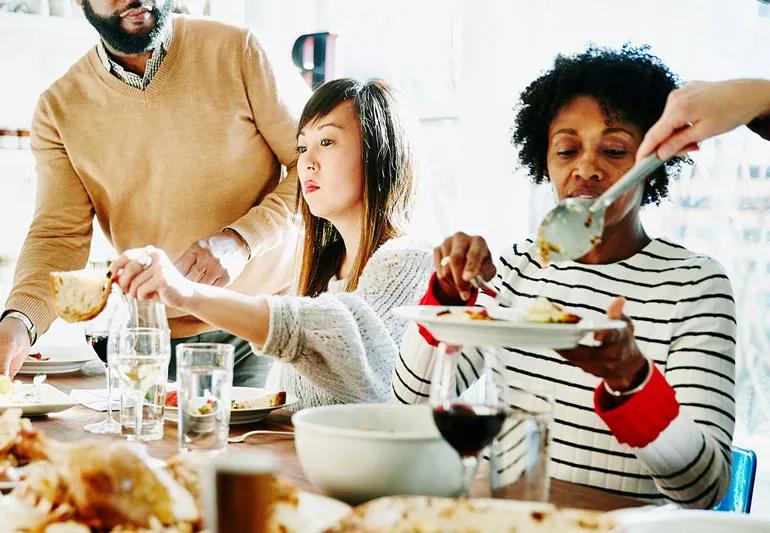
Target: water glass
(142, 356)
(205, 377)
(520, 455)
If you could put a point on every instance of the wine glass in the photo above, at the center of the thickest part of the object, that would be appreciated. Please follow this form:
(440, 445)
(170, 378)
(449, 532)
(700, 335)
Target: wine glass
(97, 332)
(468, 418)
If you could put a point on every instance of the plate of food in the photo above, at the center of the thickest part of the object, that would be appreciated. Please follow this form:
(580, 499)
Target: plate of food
(78, 487)
(422, 513)
(33, 399)
(543, 325)
(56, 360)
(16, 459)
(248, 404)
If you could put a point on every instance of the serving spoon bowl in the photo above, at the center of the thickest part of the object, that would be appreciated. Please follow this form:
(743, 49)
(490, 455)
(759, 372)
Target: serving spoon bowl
(575, 226)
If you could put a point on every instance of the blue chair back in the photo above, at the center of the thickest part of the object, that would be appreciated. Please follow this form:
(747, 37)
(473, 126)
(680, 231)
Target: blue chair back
(738, 497)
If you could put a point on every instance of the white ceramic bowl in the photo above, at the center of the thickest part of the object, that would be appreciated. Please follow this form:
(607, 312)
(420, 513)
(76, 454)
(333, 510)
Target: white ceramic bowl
(358, 452)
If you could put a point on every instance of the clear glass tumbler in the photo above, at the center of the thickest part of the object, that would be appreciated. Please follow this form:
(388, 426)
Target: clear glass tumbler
(520, 455)
(205, 377)
(142, 365)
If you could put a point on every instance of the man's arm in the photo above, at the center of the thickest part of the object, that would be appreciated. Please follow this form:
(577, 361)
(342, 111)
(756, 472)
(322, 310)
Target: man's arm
(276, 96)
(59, 236)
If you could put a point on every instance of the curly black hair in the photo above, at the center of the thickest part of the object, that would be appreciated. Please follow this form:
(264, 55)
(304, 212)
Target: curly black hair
(630, 84)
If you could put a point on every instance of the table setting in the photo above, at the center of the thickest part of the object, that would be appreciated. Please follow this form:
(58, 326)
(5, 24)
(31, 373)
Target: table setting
(209, 450)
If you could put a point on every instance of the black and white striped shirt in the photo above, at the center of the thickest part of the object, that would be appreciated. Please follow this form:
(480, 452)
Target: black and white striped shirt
(683, 312)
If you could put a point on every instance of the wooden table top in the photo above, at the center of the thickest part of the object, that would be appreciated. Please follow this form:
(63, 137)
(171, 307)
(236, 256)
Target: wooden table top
(68, 426)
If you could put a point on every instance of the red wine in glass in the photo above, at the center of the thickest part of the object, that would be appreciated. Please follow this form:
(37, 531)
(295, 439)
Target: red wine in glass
(468, 428)
(98, 342)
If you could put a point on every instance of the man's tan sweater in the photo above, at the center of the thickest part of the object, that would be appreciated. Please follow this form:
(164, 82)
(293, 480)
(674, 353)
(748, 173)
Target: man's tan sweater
(200, 149)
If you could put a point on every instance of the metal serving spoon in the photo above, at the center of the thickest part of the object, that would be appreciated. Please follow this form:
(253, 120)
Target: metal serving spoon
(575, 226)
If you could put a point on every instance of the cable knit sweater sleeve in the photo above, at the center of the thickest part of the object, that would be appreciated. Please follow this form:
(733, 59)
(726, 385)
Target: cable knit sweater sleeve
(346, 343)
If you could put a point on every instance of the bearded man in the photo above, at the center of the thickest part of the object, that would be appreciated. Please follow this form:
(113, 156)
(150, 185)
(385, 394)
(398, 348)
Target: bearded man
(173, 131)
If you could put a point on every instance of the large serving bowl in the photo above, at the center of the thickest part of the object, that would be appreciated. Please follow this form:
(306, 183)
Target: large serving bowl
(357, 452)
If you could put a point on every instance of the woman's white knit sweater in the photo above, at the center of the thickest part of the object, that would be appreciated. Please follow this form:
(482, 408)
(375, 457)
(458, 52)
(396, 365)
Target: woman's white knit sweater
(340, 347)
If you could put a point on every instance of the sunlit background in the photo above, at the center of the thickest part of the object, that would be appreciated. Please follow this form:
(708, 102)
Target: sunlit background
(459, 66)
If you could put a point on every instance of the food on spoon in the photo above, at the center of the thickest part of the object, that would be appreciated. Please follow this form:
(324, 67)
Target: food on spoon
(79, 295)
(38, 357)
(545, 247)
(268, 400)
(543, 311)
(467, 314)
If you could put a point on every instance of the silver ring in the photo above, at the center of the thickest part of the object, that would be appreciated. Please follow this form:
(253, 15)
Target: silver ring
(445, 261)
(144, 261)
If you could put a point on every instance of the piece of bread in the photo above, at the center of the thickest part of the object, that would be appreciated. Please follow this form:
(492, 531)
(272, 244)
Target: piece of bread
(268, 400)
(79, 295)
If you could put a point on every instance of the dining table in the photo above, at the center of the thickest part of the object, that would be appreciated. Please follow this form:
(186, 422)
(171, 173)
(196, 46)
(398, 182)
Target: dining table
(67, 426)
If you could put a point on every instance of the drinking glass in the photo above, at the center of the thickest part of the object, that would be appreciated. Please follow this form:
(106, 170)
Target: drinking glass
(468, 418)
(101, 333)
(142, 364)
(140, 314)
(205, 384)
(237, 491)
(97, 331)
(520, 455)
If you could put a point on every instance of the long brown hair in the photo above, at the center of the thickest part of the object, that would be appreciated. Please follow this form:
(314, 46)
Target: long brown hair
(389, 182)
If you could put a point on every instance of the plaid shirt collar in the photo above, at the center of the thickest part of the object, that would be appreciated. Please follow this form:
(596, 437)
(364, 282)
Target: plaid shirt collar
(153, 64)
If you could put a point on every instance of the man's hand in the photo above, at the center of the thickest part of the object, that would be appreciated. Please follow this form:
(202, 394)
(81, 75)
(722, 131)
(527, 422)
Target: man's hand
(14, 345)
(215, 260)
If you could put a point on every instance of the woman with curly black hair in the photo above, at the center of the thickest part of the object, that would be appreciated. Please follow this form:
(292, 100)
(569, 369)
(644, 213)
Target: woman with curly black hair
(649, 411)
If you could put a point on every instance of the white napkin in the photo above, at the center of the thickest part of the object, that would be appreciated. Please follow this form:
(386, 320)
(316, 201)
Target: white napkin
(96, 399)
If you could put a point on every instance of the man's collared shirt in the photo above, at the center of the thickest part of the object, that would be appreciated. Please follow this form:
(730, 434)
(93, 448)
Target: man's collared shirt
(153, 64)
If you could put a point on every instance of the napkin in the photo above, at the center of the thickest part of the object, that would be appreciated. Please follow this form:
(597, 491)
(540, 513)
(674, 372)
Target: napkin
(96, 399)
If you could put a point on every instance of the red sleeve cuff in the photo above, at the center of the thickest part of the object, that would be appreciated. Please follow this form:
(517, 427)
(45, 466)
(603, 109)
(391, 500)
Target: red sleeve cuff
(431, 298)
(638, 421)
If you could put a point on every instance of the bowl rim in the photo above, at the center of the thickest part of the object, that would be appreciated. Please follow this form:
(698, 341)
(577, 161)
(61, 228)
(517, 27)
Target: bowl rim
(299, 422)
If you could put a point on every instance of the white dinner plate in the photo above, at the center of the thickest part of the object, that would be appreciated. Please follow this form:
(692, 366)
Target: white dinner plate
(315, 513)
(52, 400)
(677, 521)
(508, 330)
(241, 416)
(61, 360)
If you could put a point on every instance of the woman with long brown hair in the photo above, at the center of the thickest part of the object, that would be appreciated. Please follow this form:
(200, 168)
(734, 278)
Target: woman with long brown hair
(336, 340)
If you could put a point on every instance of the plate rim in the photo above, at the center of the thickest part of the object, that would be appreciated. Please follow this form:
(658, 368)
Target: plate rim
(291, 400)
(65, 402)
(412, 312)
